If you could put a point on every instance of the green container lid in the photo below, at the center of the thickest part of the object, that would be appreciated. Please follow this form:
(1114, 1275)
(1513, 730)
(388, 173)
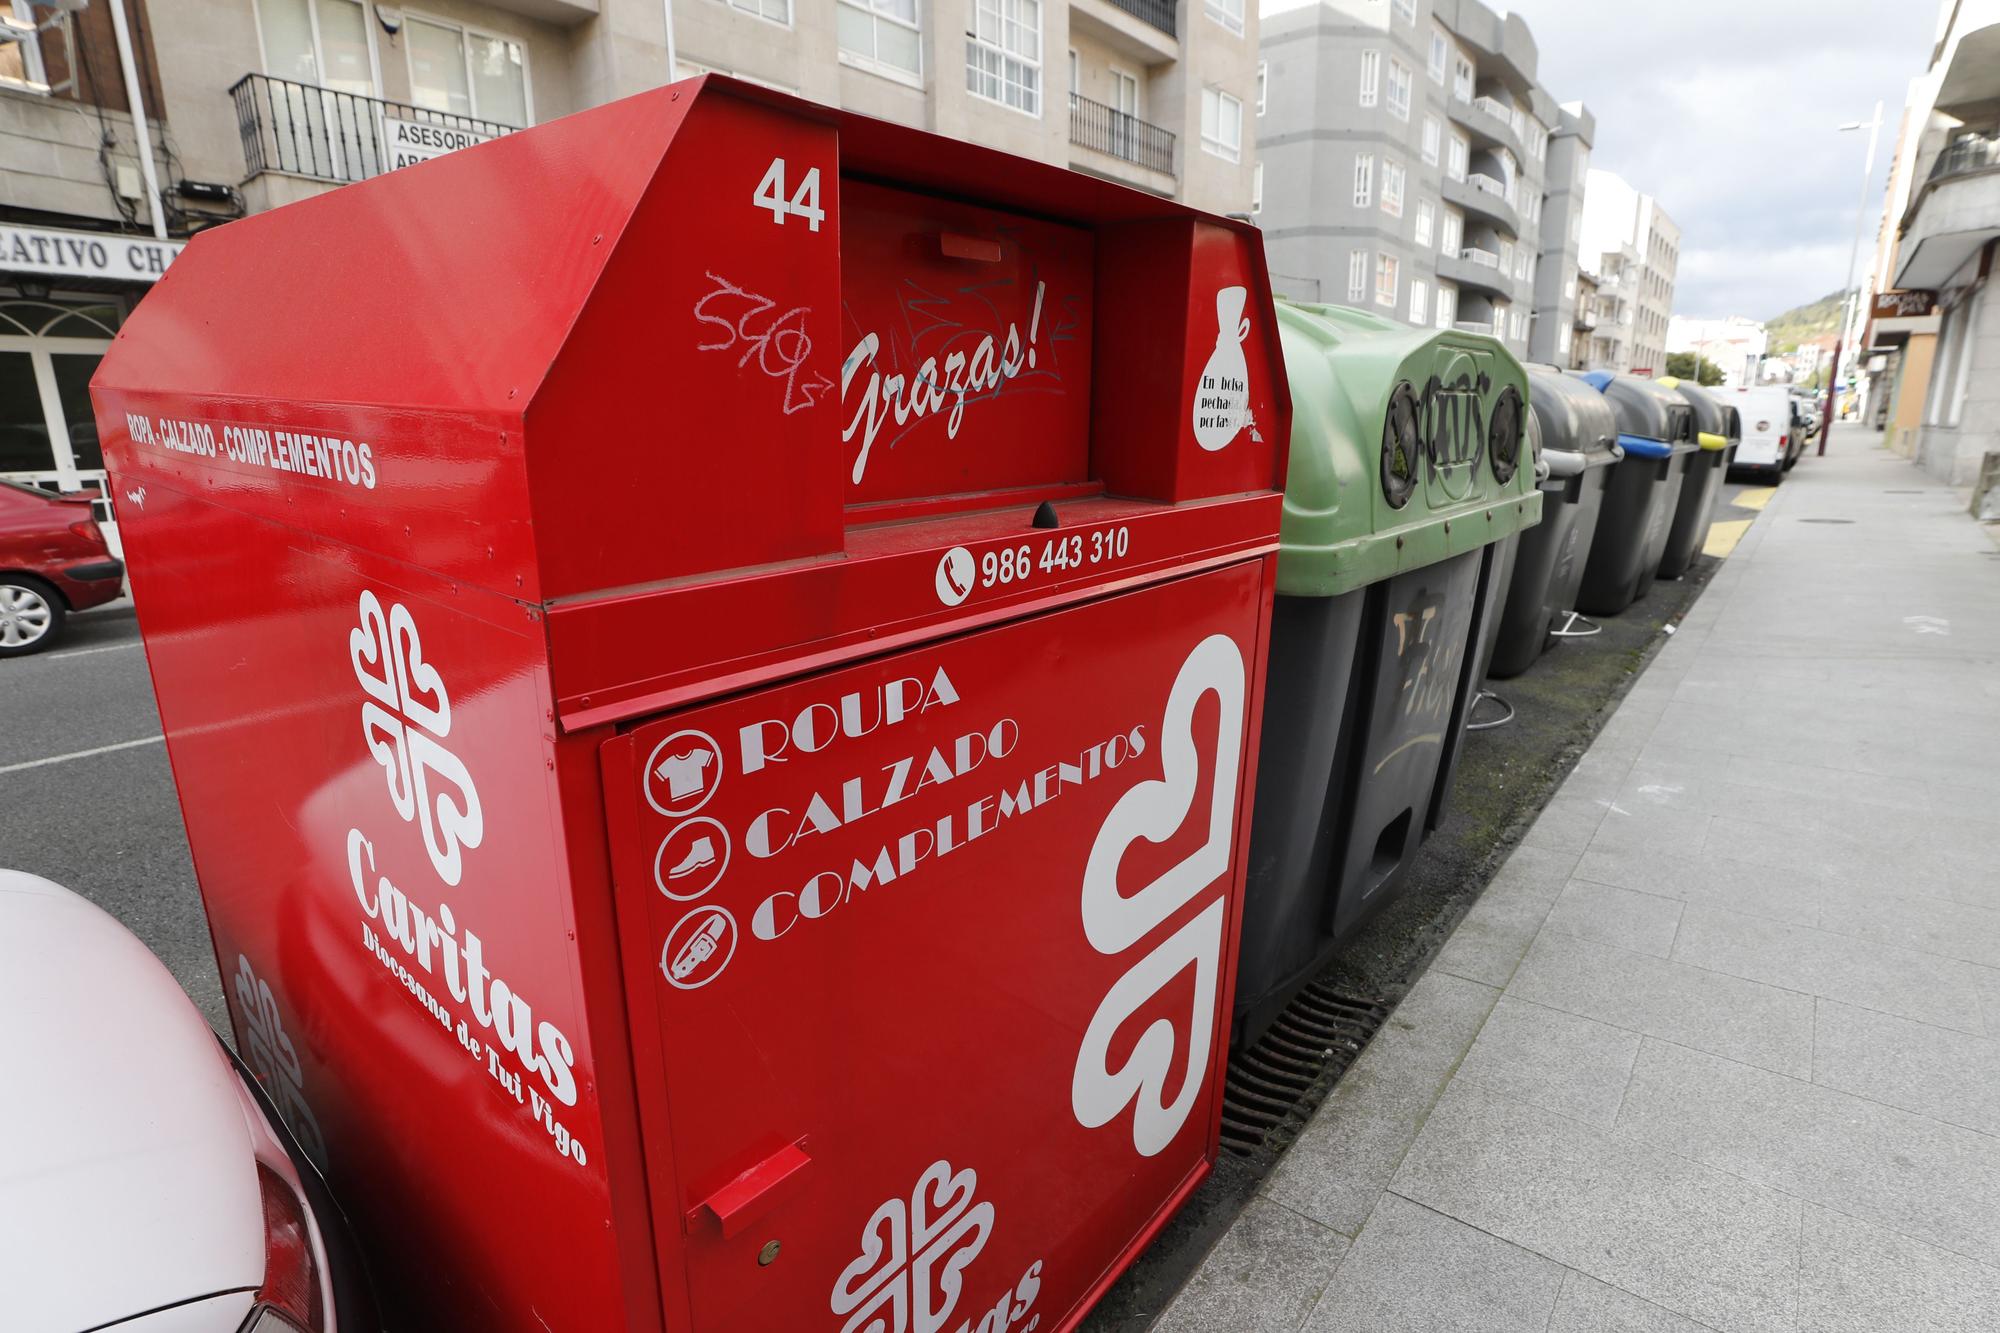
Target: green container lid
(1408, 447)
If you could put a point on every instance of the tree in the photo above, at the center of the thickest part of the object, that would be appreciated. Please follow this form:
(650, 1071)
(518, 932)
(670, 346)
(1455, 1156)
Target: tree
(1681, 366)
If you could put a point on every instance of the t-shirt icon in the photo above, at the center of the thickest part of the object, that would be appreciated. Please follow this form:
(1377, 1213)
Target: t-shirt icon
(682, 772)
(685, 774)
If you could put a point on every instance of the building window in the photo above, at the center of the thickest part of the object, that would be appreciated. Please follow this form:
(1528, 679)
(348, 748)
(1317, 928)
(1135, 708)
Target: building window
(1461, 79)
(1420, 300)
(1400, 83)
(1371, 77)
(1392, 188)
(1439, 54)
(1406, 10)
(1003, 54)
(321, 42)
(881, 35)
(1357, 277)
(1263, 84)
(777, 11)
(1433, 135)
(1256, 189)
(1569, 288)
(1562, 340)
(1385, 280)
(467, 72)
(1364, 179)
(1426, 218)
(1453, 233)
(1447, 307)
(1461, 154)
(1221, 124)
(21, 57)
(1229, 13)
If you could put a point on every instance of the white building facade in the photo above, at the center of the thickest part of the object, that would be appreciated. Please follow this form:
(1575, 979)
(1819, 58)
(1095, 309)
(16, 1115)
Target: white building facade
(1736, 345)
(1633, 249)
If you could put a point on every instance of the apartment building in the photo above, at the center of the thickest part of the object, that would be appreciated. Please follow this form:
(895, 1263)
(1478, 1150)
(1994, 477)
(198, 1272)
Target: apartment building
(1407, 149)
(1935, 321)
(250, 104)
(1634, 249)
(1559, 305)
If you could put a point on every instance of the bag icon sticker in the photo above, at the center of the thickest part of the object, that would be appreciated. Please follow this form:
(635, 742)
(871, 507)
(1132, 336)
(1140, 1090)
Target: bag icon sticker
(1222, 394)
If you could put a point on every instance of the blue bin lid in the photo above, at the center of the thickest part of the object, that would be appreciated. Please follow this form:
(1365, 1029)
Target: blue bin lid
(1646, 411)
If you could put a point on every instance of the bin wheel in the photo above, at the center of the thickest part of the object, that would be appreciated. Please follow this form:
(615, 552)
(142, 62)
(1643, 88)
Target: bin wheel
(1500, 721)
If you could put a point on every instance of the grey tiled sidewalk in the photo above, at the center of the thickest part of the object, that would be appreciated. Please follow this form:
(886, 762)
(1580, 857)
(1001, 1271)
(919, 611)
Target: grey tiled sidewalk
(1719, 1047)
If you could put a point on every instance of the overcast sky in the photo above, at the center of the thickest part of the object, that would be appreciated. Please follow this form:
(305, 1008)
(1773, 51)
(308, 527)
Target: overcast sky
(1726, 111)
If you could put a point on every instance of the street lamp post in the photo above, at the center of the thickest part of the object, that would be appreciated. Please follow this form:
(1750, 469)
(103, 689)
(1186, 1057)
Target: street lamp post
(1853, 258)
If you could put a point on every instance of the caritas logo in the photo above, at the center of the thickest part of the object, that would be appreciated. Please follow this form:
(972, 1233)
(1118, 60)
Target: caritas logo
(1119, 924)
(405, 721)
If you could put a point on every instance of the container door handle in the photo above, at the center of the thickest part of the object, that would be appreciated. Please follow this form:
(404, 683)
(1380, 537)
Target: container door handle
(754, 1193)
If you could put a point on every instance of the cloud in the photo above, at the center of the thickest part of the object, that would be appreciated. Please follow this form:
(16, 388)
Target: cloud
(1726, 111)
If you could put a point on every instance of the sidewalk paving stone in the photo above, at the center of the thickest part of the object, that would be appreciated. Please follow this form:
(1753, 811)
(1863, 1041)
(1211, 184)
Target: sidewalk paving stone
(1263, 1276)
(1416, 1271)
(1935, 1182)
(1589, 1306)
(1925, 987)
(1855, 1277)
(1573, 1066)
(1693, 1239)
(1729, 1016)
(1949, 1076)
(1342, 1162)
(1626, 918)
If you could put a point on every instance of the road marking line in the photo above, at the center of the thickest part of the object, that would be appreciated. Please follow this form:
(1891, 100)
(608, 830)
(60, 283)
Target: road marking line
(85, 652)
(1722, 537)
(1754, 499)
(80, 754)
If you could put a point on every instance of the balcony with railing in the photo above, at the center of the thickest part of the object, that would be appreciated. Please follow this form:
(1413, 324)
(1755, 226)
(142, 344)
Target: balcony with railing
(1476, 270)
(1489, 122)
(1955, 212)
(1117, 134)
(1481, 194)
(299, 129)
(1159, 13)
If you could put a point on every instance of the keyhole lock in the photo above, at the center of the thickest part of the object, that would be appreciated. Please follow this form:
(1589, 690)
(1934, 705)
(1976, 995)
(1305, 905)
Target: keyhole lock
(768, 1254)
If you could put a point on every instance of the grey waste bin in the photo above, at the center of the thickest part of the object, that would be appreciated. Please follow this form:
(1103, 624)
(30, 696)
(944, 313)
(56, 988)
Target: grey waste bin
(1702, 486)
(1578, 434)
(1656, 431)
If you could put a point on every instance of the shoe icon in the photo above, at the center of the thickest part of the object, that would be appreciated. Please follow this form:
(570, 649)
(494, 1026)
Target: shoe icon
(691, 859)
(700, 855)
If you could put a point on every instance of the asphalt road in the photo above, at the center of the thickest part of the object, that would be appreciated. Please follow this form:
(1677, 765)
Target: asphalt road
(89, 797)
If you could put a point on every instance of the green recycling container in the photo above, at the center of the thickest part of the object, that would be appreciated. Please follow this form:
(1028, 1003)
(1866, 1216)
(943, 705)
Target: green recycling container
(1702, 486)
(1407, 470)
(1656, 431)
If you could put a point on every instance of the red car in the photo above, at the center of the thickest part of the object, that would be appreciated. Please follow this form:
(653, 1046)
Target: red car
(53, 560)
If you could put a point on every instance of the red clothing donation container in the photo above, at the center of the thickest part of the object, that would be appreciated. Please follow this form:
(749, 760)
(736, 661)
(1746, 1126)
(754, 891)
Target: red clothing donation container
(712, 655)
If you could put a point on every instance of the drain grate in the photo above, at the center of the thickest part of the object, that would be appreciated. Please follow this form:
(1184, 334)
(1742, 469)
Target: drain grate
(1271, 1088)
(1826, 520)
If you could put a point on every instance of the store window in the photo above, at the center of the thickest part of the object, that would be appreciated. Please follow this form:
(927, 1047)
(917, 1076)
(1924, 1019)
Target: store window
(48, 352)
(882, 36)
(467, 73)
(1003, 54)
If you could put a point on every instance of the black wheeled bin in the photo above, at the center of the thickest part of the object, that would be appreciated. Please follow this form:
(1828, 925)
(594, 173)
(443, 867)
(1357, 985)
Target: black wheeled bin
(1578, 439)
(1702, 486)
(1407, 470)
(1656, 431)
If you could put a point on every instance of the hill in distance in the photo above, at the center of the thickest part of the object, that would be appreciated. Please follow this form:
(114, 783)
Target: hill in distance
(1804, 322)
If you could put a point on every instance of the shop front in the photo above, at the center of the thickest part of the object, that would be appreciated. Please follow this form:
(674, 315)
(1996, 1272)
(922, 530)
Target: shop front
(63, 294)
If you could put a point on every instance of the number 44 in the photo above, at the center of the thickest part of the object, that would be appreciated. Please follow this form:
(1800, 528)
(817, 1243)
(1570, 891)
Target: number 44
(804, 203)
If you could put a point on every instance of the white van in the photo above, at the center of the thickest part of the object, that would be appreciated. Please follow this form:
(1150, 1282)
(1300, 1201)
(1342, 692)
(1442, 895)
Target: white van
(1771, 435)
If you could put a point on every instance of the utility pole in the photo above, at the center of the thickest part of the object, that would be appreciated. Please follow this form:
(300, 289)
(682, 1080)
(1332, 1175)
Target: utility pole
(1851, 308)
